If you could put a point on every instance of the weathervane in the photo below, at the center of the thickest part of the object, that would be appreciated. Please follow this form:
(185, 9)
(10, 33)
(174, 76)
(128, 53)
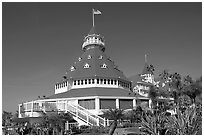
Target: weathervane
(97, 12)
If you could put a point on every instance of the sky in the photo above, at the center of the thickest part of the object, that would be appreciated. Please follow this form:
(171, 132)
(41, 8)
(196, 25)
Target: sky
(40, 41)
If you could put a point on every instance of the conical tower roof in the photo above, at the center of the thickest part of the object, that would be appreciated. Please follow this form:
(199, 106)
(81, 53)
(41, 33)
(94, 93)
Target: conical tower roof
(98, 65)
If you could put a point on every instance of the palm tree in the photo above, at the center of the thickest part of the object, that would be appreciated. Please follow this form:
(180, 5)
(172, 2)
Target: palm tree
(115, 115)
(153, 95)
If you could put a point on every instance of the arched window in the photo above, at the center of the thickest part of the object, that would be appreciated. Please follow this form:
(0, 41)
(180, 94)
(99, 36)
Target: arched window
(89, 56)
(111, 82)
(101, 81)
(93, 81)
(100, 57)
(89, 81)
(74, 82)
(78, 82)
(104, 65)
(81, 82)
(104, 81)
(86, 65)
(115, 82)
(72, 68)
(85, 81)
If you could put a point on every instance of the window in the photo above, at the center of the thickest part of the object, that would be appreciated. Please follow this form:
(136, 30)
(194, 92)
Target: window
(97, 81)
(108, 81)
(78, 82)
(92, 81)
(89, 56)
(72, 68)
(101, 81)
(75, 82)
(104, 66)
(86, 65)
(104, 81)
(115, 82)
(81, 82)
(85, 81)
(89, 81)
(111, 82)
(100, 57)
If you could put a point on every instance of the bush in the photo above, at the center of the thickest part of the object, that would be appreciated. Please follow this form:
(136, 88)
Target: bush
(95, 130)
(125, 125)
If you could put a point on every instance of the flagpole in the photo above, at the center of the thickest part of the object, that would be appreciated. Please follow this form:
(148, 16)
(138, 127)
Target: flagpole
(93, 16)
(145, 58)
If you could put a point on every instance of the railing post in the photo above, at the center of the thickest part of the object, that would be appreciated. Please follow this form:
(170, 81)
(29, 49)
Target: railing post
(87, 119)
(104, 122)
(32, 109)
(97, 121)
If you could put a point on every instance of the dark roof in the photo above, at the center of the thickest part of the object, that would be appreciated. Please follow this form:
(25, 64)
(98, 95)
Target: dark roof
(95, 91)
(95, 69)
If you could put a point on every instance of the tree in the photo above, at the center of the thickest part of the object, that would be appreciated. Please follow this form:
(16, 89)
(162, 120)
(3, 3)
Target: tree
(6, 118)
(115, 115)
(192, 88)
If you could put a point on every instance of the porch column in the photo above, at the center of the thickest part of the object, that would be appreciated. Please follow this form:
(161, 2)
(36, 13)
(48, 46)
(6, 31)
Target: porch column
(19, 110)
(150, 102)
(134, 104)
(32, 108)
(97, 104)
(117, 103)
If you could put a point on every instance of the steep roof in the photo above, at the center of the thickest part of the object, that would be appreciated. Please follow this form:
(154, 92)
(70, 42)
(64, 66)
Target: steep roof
(92, 57)
(95, 91)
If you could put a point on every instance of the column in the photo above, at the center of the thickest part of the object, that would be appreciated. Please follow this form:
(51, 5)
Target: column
(97, 104)
(150, 102)
(134, 104)
(117, 103)
(32, 109)
(19, 110)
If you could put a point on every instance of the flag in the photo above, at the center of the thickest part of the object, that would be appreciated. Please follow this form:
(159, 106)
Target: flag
(96, 12)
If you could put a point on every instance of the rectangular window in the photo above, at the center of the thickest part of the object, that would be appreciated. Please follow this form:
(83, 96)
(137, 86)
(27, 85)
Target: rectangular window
(126, 103)
(87, 103)
(107, 103)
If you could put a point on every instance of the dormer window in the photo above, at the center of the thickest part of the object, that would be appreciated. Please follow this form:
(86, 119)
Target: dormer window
(72, 68)
(79, 58)
(86, 65)
(104, 66)
(89, 56)
(100, 57)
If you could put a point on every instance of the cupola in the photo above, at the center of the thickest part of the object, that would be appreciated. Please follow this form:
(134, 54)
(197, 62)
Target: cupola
(92, 40)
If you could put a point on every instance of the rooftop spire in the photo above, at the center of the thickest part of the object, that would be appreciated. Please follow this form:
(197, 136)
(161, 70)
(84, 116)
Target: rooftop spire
(145, 58)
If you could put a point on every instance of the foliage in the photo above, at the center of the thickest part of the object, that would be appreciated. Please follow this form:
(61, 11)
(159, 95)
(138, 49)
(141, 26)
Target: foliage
(187, 123)
(6, 118)
(115, 115)
(153, 124)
